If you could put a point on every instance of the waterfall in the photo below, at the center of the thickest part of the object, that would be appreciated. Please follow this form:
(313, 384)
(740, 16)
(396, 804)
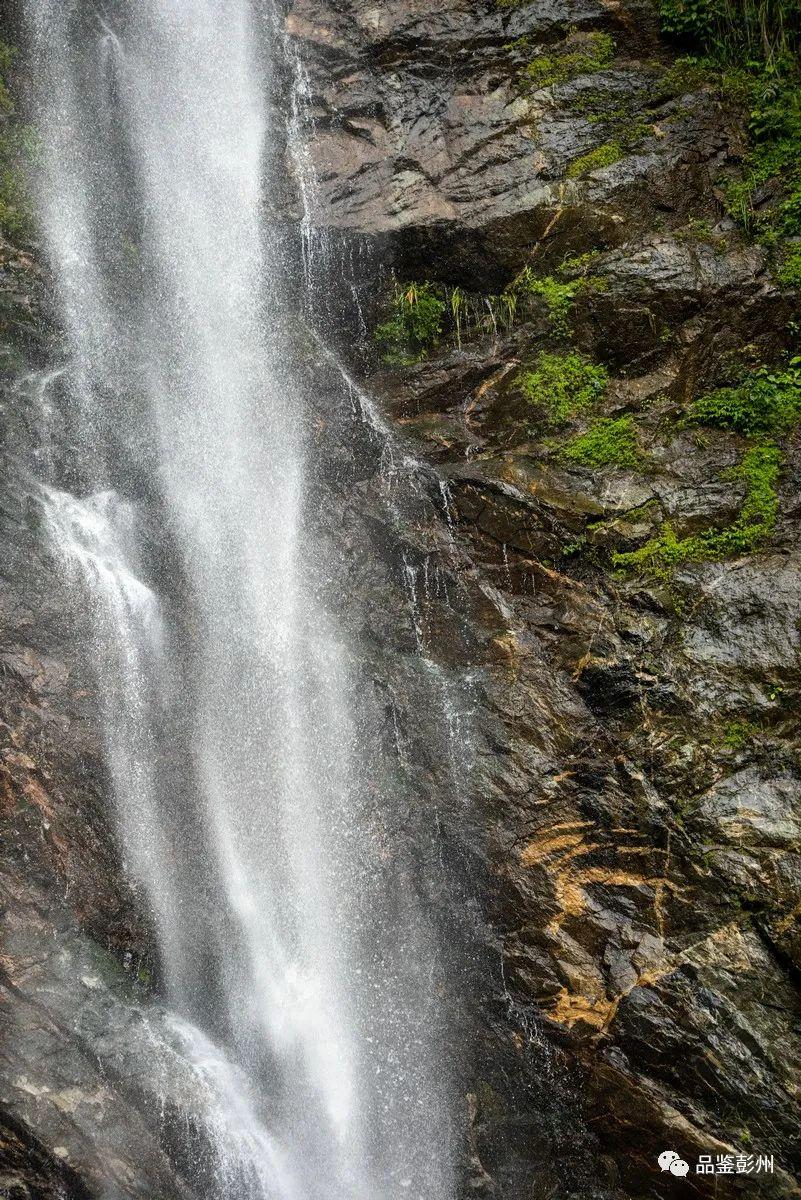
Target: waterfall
(252, 815)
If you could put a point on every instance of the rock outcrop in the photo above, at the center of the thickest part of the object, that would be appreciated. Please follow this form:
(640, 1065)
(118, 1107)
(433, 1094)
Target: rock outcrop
(635, 748)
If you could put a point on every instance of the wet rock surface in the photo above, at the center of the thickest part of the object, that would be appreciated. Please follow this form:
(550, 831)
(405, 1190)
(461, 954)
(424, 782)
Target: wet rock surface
(634, 736)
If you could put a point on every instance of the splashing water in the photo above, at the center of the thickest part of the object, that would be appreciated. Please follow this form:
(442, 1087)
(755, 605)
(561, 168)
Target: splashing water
(296, 955)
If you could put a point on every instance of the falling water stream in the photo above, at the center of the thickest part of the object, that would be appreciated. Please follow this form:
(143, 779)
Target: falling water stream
(297, 962)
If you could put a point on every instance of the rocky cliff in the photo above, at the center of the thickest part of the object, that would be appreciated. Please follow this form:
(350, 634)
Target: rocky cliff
(584, 355)
(635, 732)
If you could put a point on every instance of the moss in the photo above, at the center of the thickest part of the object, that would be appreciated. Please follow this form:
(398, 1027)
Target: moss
(738, 734)
(562, 384)
(789, 272)
(7, 56)
(759, 470)
(414, 327)
(767, 402)
(610, 441)
(578, 264)
(17, 149)
(558, 297)
(582, 55)
(594, 160)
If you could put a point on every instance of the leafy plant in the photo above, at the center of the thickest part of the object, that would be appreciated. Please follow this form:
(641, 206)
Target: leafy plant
(735, 30)
(768, 401)
(414, 327)
(563, 384)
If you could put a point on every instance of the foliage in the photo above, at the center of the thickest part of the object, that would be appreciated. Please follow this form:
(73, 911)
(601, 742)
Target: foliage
(789, 272)
(593, 160)
(562, 384)
(767, 402)
(738, 733)
(775, 153)
(414, 327)
(749, 50)
(734, 30)
(558, 297)
(576, 56)
(17, 148)
(759, 470)
(610, 441)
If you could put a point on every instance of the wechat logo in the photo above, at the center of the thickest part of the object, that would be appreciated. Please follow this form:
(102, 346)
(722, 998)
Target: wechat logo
(669, 1161)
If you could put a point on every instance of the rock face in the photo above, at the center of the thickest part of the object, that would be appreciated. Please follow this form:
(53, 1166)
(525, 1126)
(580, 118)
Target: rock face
(624, 849)
(636, 768)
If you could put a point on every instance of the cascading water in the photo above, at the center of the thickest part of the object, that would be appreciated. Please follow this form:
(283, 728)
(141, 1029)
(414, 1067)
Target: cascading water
(292, 944)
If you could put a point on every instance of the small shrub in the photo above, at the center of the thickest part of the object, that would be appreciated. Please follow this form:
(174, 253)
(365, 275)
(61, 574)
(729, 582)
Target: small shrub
(414, 327)
(563, 384)
(594, 160)
(768, 401)
(610, 441)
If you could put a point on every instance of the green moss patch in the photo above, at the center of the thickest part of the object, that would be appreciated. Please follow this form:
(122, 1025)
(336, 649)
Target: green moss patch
(609, 441)
(789, 272)
(759, 470)
(563, 385)
(594, 160)
(558, 296)
(582, 54)
(17, 149)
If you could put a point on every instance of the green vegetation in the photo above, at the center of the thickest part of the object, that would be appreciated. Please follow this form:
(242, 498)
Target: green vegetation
(414, 327)
(738, 734)
(579, 55)
(749, 51)
(789, 272)
(593, 160)
(579, 264)
(17, 146)
(562, 384)
(767, 402)
(759, 470)
(609, 441)
(423, 314)
(734, 31)
(558, 297)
